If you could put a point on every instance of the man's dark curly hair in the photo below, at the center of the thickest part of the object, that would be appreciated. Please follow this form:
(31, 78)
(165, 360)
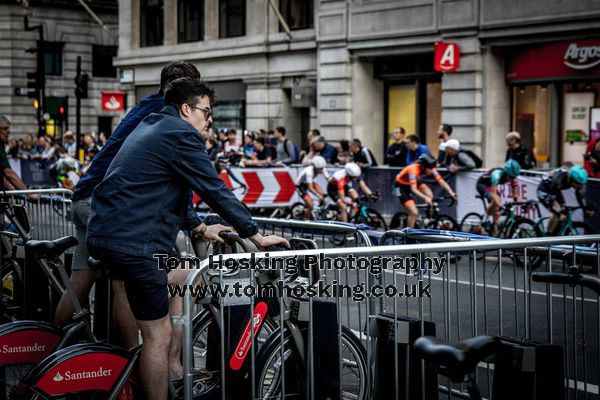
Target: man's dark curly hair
(187, 91)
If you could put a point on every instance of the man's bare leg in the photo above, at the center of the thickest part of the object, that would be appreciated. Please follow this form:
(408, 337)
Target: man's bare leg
(176, 277)
(154, 369)
(124, 320)
(82, 281)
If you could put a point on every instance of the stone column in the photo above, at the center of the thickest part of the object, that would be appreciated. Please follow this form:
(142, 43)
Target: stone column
(496, 102)
(211, 19)
(462, 95)
(170, 21)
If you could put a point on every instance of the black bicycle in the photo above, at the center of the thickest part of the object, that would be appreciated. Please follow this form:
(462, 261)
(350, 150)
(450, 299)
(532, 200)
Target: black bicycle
(458, 361)
(433, 218)
(271, 358)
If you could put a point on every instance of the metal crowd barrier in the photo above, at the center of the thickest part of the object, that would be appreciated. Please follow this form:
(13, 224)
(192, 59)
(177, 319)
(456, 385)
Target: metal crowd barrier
(327, 234)
(49, 211)
(476, 288)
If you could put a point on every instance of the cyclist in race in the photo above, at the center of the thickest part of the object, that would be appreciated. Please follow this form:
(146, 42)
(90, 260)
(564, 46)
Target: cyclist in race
(408, 185)
(342, 188)
(487, 187)
(65, 172)
(550, 189)
(305, 183)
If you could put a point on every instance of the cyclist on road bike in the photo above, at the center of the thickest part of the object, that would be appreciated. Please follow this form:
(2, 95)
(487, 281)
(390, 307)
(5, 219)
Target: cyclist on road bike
(305, 183)
(343, 186)
(408, 184)
(487, 187)
(64, 171)
(550, 189)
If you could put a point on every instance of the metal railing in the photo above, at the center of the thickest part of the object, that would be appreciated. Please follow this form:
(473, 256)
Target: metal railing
(471, 303)
(49, 211)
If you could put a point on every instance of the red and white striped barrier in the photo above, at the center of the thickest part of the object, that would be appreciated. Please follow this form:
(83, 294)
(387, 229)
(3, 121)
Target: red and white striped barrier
(267, 187)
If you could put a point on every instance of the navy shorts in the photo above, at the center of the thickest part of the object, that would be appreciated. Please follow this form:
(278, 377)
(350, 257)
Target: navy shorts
(145, 281)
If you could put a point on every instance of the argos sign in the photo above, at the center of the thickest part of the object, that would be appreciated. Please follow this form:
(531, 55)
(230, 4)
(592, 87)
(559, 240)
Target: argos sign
(446, 57)
(568, 59)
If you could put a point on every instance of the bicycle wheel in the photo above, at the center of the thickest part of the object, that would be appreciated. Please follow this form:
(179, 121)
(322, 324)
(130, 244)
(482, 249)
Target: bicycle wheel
(202, 323)
(354, 376)
(372, 218)
(581, 228)
(443, 223)
(11, 377)
(298, 211)
(524, 228)
(399, 220)
(473, 223)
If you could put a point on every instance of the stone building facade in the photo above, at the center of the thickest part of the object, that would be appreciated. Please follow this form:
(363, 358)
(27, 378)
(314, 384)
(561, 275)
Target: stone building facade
(359, 68)
(70, 32)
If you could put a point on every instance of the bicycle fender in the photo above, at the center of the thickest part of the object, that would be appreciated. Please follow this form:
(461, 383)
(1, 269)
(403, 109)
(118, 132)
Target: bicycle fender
(80, 368)
(27, 342)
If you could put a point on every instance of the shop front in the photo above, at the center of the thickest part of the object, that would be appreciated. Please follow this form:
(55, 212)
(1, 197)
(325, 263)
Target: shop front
(555, 95)
(412, 96)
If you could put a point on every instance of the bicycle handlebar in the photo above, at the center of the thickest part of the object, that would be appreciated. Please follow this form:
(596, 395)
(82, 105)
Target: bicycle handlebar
(233, 237)
(570, 209)
(589, 281)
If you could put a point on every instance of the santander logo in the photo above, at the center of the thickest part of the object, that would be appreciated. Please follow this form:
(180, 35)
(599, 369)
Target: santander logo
(112, 103)
(36, 347)
(241, 351)
(582, 57)
(100, 372)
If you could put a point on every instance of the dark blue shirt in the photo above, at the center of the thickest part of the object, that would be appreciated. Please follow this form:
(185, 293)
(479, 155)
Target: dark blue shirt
(95, 173)
(412, 156)
(329, 153)
(143, 201)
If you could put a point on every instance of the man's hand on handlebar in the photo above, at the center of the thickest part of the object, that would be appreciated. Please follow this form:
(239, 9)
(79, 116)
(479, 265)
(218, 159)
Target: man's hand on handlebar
(212, 232)
(589, 210)
(454, 196)
(262, 242)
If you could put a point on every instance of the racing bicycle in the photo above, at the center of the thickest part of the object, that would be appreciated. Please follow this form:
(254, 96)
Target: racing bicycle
(433, 218)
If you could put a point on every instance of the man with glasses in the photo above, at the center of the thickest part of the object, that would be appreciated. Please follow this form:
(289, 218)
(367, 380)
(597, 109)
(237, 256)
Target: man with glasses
(8, 177)
(142, 203)
(82, 276)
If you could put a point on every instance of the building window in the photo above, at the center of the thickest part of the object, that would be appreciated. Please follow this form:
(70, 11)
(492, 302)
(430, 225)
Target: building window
(53, 57)
(232, 18)
(190, 20)
(298, 14)
(152, 32)
(102, 61)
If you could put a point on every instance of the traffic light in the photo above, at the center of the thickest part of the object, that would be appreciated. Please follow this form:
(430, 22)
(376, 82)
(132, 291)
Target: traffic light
(36, 82)
(81, 86)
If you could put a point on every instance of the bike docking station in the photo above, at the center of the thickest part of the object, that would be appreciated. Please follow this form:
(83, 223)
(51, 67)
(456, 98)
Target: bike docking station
(526, 334)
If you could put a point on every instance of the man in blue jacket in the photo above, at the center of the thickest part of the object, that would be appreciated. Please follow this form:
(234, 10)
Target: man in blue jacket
(82, 277)
(143, 201)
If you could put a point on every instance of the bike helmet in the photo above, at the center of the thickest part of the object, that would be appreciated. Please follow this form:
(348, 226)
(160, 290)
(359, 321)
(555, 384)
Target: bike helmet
(352, 169)
(512, 168)
(427, 161)
(62, 167)
(578, 174)
(319, 162)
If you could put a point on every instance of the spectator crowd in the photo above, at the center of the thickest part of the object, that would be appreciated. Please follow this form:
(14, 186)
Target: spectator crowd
(264, 148)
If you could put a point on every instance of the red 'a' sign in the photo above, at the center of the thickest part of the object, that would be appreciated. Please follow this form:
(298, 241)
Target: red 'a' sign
(447, 57)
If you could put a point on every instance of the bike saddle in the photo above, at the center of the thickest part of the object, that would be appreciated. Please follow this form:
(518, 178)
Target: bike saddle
(456, 359)
(50, 248)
